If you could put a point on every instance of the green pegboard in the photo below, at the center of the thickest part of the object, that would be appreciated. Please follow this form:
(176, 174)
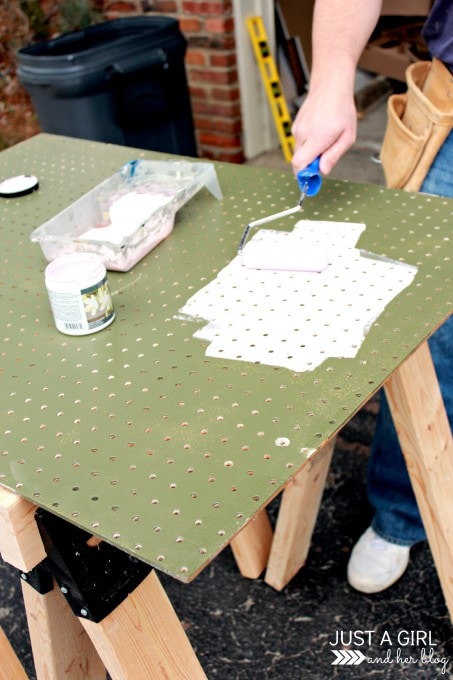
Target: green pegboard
(134, 433)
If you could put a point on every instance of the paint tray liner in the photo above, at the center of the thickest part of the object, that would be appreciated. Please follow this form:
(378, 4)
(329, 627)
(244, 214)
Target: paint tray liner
(127, 215)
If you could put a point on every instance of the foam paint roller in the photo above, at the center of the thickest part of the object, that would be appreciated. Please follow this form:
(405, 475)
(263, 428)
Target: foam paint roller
(281, 255)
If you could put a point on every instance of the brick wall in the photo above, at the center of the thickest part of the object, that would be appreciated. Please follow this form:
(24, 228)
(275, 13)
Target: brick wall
(210, 66)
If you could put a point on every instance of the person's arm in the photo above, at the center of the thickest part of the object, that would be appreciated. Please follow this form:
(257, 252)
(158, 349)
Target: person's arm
(326, 124)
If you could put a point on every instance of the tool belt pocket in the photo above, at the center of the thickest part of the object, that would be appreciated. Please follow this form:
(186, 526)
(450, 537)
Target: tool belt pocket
(401, 149)
(418, 123)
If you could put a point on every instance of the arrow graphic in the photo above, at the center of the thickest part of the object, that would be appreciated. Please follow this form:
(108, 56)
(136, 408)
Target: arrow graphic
(347, 657)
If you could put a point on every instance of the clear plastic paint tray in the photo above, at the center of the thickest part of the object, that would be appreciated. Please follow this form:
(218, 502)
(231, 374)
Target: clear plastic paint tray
(127, 215)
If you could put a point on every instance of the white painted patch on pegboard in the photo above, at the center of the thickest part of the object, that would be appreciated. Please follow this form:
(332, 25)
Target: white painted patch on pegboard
(297, 319)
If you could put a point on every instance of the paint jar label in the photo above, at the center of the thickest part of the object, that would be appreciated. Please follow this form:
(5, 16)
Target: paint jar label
(85, 311)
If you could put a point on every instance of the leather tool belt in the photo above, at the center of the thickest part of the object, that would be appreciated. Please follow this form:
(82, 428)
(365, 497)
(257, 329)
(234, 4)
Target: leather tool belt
(419, 121)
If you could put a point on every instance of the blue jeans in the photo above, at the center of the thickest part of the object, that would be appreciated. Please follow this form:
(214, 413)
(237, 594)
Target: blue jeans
(397, 518)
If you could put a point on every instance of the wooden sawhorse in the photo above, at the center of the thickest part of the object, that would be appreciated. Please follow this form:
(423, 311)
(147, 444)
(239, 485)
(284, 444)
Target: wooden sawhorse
(142, 637)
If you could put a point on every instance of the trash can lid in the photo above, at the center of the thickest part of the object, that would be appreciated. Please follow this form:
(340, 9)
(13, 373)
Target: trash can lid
(19, 185)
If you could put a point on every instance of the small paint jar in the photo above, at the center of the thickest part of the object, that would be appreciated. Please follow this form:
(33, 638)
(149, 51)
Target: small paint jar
(79, 293)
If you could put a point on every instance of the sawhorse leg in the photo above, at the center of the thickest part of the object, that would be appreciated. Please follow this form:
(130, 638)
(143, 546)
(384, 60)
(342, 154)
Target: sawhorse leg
(296, 519)
(251, 547)
(10, 666)
(61, 648)
(425, 436)
(143, 638)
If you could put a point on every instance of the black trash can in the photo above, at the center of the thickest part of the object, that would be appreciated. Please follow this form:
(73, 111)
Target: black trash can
(121, 81)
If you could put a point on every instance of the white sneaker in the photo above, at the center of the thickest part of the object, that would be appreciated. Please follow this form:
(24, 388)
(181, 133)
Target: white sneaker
(376, 564)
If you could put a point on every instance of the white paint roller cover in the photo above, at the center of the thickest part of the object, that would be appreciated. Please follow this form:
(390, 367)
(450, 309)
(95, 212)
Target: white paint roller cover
(284, 255)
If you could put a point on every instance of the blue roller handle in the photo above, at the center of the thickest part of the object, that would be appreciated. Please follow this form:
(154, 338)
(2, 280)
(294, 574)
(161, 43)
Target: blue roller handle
(310, 179)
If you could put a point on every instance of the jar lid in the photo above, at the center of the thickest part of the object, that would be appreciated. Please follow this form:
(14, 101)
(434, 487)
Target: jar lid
(20, 185)
(75, 267)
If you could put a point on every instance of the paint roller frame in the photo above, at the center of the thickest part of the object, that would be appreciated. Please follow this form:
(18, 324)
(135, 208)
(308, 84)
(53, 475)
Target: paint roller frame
(316, 259)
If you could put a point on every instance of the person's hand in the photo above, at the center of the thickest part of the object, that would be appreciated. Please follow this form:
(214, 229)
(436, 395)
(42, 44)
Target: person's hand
(325, 126)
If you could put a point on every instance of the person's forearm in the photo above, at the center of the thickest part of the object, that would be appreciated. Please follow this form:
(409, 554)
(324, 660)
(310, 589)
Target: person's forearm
(326, 123)
(341, 29)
